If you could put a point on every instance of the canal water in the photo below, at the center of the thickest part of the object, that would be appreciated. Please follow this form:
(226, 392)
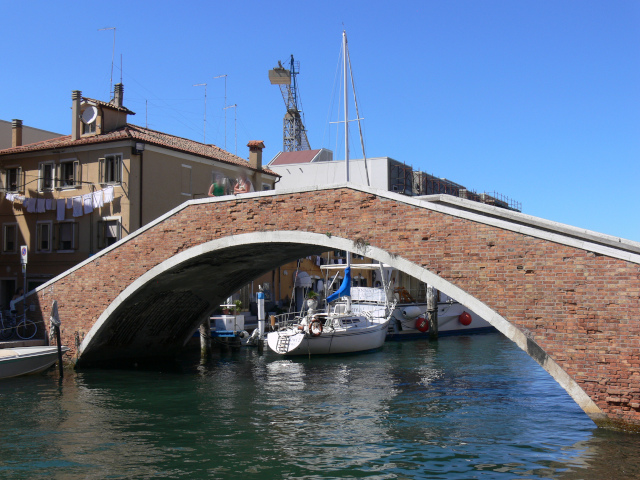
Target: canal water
(461, 408)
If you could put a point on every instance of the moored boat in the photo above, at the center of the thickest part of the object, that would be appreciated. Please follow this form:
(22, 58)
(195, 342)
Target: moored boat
(343, 327)
(27, 360)
(410, 320)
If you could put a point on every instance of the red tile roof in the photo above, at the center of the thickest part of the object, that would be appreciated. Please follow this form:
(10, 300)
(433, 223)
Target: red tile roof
(303, 156)
(141, 134)
(109, 105)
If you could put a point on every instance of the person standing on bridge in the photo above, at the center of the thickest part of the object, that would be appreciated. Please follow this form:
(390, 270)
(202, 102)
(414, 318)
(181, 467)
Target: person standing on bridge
(243, 186)
(216, 189)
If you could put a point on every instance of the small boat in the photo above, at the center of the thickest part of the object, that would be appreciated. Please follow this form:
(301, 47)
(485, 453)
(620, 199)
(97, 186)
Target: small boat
(344, 327)
(27, 360)
(410, 319)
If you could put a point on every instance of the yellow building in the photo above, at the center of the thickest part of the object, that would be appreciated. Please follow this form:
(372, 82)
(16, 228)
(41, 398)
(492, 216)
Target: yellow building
(68, 197)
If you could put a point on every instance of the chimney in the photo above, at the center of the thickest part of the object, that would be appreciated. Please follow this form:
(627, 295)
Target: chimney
(16, 133)
(76, 96)
(118, 94)
(255, 153)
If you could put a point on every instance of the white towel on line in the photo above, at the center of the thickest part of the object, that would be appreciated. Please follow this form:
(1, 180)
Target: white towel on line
(77, 206)
(108, 194)
(87, 199)
(60, 210)
(97, 199)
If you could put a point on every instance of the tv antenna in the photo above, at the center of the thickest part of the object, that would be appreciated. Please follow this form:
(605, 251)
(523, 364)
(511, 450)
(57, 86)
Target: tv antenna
(204, 128)
(235, 123)
(225, 108)
(113, 51)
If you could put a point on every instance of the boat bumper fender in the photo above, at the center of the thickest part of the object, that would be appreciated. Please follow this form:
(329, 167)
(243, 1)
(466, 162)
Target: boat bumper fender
(409, 313)
(422, 324)
(465, 319)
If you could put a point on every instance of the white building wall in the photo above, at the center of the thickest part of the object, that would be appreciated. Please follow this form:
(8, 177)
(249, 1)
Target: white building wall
(298, 175)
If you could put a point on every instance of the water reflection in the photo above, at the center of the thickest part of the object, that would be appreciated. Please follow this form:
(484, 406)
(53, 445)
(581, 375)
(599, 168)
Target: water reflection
(460, 408)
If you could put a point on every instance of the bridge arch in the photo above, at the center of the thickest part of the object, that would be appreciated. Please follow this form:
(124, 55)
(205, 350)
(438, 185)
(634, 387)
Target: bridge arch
(330, 242)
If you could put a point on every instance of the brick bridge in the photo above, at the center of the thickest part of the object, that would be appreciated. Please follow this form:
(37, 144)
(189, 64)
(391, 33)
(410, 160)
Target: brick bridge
(568, 297)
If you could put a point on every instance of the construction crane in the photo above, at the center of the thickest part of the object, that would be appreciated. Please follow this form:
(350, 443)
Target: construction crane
(294, 135)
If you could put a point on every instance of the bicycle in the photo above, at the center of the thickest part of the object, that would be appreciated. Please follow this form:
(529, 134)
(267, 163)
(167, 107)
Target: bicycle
(25, 329)
(6, 328)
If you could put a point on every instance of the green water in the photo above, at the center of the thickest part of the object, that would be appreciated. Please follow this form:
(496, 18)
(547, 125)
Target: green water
(461, 408)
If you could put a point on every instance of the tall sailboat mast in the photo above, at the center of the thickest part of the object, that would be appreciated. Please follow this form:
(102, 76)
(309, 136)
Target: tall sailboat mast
(346, 137)
(346, 105)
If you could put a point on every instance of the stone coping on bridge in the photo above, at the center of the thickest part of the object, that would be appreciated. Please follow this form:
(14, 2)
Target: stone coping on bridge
(564, 234)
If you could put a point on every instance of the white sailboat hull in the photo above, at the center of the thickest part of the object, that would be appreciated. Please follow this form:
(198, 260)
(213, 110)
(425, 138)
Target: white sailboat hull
(344, 340)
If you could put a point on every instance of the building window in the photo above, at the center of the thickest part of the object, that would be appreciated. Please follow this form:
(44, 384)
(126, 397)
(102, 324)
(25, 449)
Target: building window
(111, 169)
(43, 237)
(69, 174)
(46, 177)
(186, 180)
(12, 179)
(88, 128)
(109, 231)
(266, 186)
(66, 236)
(9, 238)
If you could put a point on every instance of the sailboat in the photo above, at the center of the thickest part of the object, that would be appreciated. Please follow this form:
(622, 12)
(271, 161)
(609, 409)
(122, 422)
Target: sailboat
(339, 328)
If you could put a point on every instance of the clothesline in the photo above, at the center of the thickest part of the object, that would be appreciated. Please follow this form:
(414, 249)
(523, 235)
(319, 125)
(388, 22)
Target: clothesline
(80, 204)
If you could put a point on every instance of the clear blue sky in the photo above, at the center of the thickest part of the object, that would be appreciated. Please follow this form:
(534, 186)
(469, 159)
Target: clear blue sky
(538, 100)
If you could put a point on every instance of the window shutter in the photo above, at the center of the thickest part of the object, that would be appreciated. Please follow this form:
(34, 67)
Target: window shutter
(41, 177)
(56, 176)
(76, 236)
(118, 167)
(20, 180)
(55, 240)
(77, 177)
(101, 234)
(101, 174)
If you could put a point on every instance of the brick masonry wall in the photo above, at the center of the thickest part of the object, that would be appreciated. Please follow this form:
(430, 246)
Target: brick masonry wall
(581, 308)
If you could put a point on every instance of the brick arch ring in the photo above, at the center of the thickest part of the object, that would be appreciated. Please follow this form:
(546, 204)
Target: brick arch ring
(332, 242)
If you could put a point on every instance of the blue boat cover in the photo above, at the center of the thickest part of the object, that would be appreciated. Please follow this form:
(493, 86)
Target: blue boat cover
(345, 287)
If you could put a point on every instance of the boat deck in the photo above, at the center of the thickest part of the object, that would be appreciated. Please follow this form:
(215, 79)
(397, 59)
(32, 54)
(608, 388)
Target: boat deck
(22, 343)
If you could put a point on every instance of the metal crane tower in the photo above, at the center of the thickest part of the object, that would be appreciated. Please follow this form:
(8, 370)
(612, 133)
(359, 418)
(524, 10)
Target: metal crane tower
(294, 135)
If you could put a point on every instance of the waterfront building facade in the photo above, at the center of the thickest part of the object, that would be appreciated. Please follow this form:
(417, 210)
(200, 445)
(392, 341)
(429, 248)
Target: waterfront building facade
(68, 197)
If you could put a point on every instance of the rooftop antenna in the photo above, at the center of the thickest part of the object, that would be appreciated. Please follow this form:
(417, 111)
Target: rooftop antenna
(204, 128)
(225, 108)
(113, 51)
(235, 123)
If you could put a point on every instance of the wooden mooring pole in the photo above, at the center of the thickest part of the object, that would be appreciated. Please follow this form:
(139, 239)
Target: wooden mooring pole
(205, 340)
(432, 312)
(57, 332)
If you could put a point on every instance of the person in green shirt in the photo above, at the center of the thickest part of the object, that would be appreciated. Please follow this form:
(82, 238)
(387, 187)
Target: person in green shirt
(216, 189)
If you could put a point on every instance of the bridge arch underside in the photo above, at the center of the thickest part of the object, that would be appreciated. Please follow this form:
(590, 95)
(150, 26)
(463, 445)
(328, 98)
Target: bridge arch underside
(158, 313)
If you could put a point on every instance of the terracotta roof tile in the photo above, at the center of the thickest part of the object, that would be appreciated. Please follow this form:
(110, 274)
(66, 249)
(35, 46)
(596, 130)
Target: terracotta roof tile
(109, 105)
(133, 132)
